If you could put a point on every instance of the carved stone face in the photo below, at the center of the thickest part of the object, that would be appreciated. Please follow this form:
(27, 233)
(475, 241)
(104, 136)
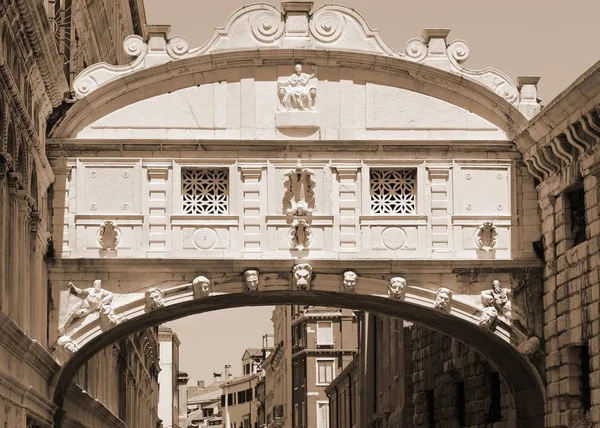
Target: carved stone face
(251, 280)
(396, 287)
(98, 284)
(349, 280)
(496, 286)
(154, 299)
(201, 286)
(67, 344)
(443, 300)
(298, 69)
(302, 276)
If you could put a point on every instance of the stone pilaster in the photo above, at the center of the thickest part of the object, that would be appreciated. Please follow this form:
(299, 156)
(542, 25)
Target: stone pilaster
(158, 221)
(60, 211)
(440, 219)
(349, 199)
(252, 208)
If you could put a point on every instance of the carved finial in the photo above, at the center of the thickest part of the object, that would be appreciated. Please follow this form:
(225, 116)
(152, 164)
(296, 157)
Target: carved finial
(529, 103)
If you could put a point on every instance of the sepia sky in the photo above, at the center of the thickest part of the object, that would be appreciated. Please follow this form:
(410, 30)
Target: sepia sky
(557, 40)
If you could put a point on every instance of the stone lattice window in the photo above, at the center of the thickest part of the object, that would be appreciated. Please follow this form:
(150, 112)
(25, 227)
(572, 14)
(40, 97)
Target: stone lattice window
(393, 191)
(205, 191)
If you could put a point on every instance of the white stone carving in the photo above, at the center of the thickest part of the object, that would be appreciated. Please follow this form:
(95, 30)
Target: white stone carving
(107, 317)
(205, 191)
(299, 190)
(349, 280)
(498, 298)
(485, 236)
(488, 318)
(329, 28)
(397, 288)
(108, 235)
(295, 92)
(393, 191)
(300, 235)
(529, 346)
(154, 299)
(93, 299)
(393, 238)
(443, 300)
(205, 238)
(67, 345)
(201, 287)
(302, 276)
(251, 280)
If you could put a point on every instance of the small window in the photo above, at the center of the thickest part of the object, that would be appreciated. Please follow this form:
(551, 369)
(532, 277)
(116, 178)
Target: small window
(205, 191)
(430, 398)
(393, 191)
(461, 404)
(586, 391)
(325, 369)
(325, 333)
(575, 206)
(495, 409)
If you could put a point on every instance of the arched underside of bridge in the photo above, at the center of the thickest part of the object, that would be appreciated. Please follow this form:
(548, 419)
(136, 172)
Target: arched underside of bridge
(519, 374)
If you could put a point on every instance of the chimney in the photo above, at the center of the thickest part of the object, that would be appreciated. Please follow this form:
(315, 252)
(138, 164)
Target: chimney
(217, 377)
(201, 384)
(227, 373)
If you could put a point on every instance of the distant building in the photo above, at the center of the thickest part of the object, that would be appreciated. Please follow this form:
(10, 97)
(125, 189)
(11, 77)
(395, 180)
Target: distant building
(324, 342)
(204, 404)
(169, 378)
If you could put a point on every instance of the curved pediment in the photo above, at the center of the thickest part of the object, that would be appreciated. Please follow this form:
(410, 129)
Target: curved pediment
(347, 104)
(313, 37)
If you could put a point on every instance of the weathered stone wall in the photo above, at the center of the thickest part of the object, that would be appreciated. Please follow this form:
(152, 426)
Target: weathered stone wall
(455, 386)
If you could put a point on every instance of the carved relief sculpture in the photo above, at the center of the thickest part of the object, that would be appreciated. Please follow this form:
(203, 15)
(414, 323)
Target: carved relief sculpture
(295, 93)
(66, 345)
(397, 288)
(300, 235)
(349, 280)
(108, 235)
(498, 298)
(251, 280)
(443, 300)
(529, 346)
(485, 236)
(154, 299)
(299, 190)
(302, 276)
(201, 287)
(93, 299)
(108, 318)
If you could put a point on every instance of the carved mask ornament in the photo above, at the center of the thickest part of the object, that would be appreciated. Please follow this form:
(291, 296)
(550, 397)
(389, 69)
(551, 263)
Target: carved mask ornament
(251, 280)
(302, 276)
(154, 299)
(443, 300)
(349, 280)
(396, 288)
(201, 287)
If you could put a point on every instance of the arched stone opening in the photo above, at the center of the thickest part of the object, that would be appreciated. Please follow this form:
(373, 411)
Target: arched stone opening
(519, 374)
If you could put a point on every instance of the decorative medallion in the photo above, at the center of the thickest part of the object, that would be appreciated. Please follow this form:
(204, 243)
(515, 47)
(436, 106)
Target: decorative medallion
(485, 236)
(205, 238)
(393, 238)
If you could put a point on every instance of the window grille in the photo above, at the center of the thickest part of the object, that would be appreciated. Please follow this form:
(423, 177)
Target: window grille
(205, 191)
(393, 191)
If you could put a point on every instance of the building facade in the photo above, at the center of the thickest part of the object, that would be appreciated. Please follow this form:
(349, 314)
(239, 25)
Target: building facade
(170, 379)
(324, 342)
(204, 404)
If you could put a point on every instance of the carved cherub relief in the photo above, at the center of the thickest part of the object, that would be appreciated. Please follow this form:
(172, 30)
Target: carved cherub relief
(302, 276)
(201, 287)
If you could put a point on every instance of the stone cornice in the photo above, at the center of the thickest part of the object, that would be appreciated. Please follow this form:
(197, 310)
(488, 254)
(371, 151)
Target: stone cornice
(81, 399)
(33, 14)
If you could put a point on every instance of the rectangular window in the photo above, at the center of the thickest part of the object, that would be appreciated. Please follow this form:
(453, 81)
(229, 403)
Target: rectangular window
(393, 191)
(430, 397)
(325, 370)
(325, 333)
(586, 391)
(575, 206)
(495, 411)
(241, 397)
(205, 191)
(460, 404)
(322, 414)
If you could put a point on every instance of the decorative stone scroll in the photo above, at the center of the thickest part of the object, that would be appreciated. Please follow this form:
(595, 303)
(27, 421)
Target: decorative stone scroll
(300, 235)
(397, 288)
(302, 276)
(93, 299)
(349, 279)
(66, 345)
(299, 190)
(251, 280)
(154, 299)
(485, 236)
(443, 300)
(201, 287)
